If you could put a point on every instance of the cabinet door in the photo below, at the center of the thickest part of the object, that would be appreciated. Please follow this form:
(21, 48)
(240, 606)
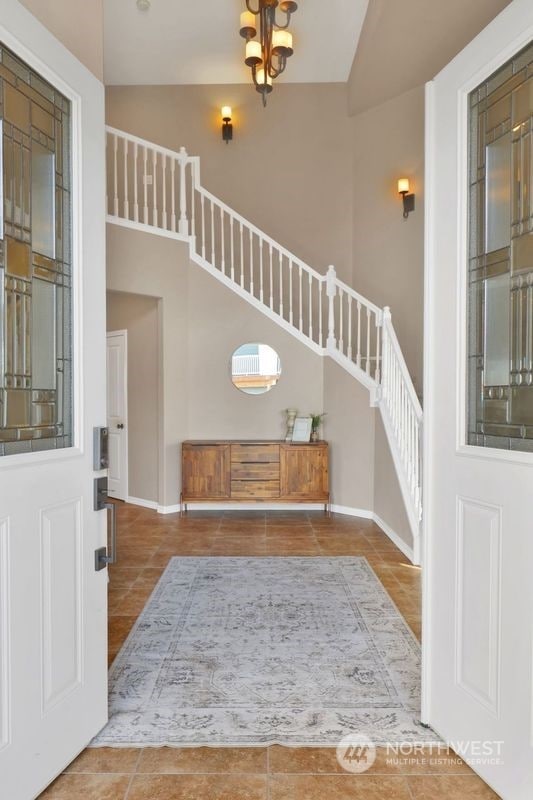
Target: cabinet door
(206, 471)
(304, 472)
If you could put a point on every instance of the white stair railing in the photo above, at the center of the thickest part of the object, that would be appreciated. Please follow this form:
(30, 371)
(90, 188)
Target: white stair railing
(402, 416)
(149, 185)
(156, 189)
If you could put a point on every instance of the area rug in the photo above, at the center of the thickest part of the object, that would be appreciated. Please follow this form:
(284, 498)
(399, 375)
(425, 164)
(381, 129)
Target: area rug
(255, 651)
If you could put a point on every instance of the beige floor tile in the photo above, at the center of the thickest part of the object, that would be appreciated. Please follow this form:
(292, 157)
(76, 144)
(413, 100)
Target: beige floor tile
(198, 787)
(119, 627)
(87, 787)
(338, 787)
(461, 787)
(198, 760)
(106, 759)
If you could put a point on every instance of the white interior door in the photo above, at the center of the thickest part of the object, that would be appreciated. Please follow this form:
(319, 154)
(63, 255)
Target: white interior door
(478, 593)
(117, 413)
(53, 604)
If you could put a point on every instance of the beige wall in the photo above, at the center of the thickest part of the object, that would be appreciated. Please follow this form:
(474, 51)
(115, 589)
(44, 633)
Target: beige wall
(403, 45)
(78, 24)
(288, 168)
(202, 323)
(219, 321)
(349, 428)
(388, 251)
(150, 265)
(138, 315)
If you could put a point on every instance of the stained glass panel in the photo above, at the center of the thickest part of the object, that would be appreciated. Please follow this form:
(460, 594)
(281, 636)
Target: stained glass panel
(35, 269)
(500, 275)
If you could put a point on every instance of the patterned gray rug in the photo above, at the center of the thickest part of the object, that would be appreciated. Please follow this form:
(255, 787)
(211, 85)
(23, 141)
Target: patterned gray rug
(254, 651)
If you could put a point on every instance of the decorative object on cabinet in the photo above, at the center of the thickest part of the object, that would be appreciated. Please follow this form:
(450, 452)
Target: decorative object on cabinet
(302, 429)
(254, 471)
(316, 420)
(255, 368)
(292, 413)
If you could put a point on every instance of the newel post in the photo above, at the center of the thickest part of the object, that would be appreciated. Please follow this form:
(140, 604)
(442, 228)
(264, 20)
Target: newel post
(331, 291)
(183, 223)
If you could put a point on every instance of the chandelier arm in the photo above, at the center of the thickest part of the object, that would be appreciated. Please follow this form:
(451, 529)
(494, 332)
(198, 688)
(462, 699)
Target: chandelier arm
(275, 72)
(249, 7)
(287, 21)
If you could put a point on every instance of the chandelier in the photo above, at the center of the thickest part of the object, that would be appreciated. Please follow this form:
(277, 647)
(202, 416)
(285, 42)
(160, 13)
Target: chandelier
(267, 56)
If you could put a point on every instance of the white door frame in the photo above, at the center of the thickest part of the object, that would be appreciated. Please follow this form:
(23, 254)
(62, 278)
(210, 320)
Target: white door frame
(124, 334)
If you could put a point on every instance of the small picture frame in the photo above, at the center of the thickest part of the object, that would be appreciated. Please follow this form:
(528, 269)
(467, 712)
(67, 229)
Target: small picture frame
(302, 429)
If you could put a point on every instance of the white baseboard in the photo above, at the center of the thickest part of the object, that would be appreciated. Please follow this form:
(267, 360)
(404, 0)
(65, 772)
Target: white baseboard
(169, 509)
(364, 513)
(348, 511)
(395, 539)
(138, 501)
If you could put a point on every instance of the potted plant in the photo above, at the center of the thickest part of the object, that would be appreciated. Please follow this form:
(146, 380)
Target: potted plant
(316, 420)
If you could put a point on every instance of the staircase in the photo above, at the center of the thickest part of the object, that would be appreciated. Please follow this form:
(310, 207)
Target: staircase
(156, 190)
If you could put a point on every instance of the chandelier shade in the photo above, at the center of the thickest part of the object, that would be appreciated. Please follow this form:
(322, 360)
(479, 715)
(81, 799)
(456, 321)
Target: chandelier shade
(267, 54)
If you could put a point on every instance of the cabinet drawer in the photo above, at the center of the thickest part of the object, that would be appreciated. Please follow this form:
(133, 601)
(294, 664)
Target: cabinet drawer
(243, 471)
(242, 490)
(254, 453)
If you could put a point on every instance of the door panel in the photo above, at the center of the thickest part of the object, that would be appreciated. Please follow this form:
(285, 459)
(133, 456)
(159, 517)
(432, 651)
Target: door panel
(53, 605)
(206, 471)
(304, 472)
(478, 547)
(61, 601)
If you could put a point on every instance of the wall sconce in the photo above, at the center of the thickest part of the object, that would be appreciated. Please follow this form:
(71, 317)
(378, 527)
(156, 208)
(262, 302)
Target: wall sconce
(227, 127)
(408, 199)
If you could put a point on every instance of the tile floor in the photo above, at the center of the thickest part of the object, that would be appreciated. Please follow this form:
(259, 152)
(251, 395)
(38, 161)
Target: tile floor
(146, 541)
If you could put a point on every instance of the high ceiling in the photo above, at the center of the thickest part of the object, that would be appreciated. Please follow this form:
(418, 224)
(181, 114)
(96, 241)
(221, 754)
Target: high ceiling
(198, 42)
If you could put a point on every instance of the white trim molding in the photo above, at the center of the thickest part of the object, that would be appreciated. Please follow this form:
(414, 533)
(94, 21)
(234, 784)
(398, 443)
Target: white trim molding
(138, 501)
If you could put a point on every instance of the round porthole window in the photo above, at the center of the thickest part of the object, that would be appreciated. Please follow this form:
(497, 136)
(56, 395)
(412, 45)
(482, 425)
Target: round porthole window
(255, 368)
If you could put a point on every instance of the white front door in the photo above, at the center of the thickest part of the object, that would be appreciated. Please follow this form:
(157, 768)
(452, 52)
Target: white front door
(53, 604)
(117, 413)
(478, 593)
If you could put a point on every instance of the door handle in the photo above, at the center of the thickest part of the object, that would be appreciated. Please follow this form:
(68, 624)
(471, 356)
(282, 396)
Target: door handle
(103, 556)
(120, 425)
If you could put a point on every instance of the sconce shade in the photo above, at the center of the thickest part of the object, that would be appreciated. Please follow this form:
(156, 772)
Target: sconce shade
(226, 113)
(403, 185)
(408, 198)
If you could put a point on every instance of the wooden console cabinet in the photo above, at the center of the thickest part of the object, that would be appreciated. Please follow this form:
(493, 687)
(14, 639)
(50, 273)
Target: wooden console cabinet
(254, 471)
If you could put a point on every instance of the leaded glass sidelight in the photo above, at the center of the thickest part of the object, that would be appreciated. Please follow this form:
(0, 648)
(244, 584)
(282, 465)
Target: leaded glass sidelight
(35, 262)
(500, 273)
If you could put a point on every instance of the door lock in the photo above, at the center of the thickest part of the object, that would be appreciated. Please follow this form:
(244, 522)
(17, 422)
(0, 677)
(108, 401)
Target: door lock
(100, 448)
